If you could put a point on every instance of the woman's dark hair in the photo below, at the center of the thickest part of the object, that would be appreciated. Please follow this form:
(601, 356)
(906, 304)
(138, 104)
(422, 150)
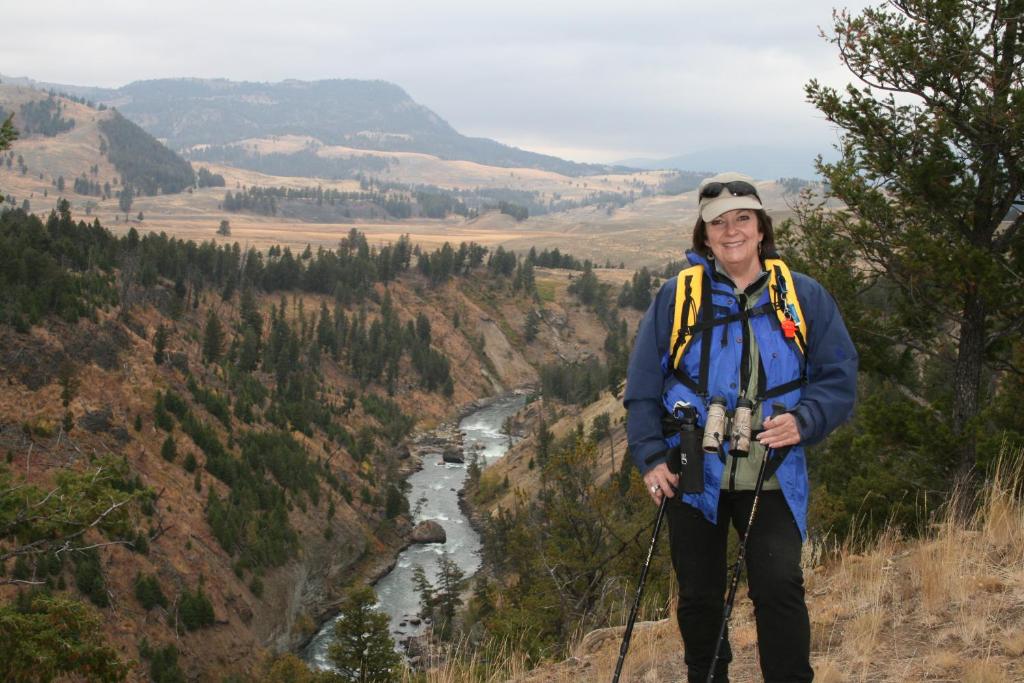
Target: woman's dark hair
(764, 224)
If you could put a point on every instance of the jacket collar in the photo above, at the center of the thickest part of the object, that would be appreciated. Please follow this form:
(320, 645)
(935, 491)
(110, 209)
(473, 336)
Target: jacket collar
(713, 273)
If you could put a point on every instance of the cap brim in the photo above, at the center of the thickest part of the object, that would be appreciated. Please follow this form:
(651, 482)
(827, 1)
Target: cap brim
(719, 205)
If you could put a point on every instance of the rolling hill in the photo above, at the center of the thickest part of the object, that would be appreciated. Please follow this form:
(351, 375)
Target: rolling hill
(375, 115)
(93, 151)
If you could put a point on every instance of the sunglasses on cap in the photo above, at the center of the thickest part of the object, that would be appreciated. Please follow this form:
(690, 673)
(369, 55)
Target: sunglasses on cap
(737, 188)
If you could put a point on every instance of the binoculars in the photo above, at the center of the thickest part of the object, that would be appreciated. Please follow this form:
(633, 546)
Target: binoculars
(720, 427)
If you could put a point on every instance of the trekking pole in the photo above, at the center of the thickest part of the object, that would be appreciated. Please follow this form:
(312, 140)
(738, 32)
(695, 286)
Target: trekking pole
(777, 409)
(685, 460)
(639, 592)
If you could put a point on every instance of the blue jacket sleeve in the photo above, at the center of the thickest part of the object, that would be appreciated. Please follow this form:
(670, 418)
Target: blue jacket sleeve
(831, 390)
(645, 379)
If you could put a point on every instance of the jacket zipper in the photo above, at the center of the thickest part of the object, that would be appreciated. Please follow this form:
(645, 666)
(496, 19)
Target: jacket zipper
(741, 302)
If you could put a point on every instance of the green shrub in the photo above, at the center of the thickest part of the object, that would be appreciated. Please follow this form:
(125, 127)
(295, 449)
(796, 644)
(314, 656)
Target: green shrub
(140, 543)
(395, 425)
(89, 577)
(162, 418)
(163, 663)
(148, 592)
(216, 404)
(175, 404)
(195, 609)
(169, 450)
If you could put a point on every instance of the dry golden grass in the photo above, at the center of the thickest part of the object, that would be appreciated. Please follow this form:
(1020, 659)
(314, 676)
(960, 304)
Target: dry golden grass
(457, 665)
(426, 169)
(828, 671)
(1011, 641)
(947, 607)
(985, 671)
(940, 664)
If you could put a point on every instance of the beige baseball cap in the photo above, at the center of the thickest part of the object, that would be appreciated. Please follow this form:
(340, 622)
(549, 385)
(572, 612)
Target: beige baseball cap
(730, 191)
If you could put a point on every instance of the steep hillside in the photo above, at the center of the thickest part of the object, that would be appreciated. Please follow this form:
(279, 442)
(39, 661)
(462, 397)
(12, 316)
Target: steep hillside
(253, 408)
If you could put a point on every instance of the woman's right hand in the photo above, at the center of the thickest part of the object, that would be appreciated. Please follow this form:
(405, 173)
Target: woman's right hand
(660, 482)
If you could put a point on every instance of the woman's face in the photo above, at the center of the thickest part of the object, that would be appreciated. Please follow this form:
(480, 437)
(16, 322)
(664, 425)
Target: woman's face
(734, 238)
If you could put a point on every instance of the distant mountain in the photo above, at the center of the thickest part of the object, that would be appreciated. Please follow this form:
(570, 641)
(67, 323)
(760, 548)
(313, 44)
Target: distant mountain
(354, 113)
(763, 162)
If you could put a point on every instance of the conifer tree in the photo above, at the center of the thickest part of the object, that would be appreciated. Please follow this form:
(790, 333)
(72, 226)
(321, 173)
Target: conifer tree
(8, 133)
(440, 603)
(532, 326)
(125, 199)
(362, 649)
(213, 338)
(51, 636)
(932, 175)
(160, 343)
(67, 375)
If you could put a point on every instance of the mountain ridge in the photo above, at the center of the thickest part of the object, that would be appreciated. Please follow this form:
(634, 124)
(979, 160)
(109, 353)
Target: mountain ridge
(365, 114)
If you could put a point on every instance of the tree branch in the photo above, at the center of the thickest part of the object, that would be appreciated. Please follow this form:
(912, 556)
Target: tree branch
(25, 582)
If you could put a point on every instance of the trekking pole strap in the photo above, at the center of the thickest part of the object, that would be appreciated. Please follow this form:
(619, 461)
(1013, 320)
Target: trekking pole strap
(779, 455)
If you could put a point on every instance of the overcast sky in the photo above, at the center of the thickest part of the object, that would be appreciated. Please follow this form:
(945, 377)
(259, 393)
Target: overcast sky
(590, 81)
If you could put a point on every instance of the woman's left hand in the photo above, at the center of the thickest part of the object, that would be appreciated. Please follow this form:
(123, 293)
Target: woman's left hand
(779, 431)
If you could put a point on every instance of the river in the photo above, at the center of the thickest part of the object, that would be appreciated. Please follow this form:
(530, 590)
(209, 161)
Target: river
(434, 495)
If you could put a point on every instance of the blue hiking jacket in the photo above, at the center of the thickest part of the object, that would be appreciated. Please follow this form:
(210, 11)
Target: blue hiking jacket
(820, 405)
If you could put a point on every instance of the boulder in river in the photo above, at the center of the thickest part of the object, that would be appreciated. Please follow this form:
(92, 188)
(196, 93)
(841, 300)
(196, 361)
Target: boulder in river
(453, 454)
(429, 531)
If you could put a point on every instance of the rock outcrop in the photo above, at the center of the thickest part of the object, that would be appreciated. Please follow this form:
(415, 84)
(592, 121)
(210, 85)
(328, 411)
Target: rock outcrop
(453, 454)
(429, 531)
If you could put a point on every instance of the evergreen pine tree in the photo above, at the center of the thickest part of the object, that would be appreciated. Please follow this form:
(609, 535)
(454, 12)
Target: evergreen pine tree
(213, 338)
(362, 649)
(125, 199)
(931, 178)
(169, 450)
(160, 343)
(532, 326)
(450, 582)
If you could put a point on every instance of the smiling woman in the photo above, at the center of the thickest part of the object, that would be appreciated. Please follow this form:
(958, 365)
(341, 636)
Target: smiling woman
(737, 331)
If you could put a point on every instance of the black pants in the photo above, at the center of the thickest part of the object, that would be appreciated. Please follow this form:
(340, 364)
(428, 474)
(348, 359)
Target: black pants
(775, 582)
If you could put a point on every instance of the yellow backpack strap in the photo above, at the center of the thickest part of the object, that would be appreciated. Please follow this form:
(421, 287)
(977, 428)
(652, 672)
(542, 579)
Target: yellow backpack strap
(689, 290)
(784, 297)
